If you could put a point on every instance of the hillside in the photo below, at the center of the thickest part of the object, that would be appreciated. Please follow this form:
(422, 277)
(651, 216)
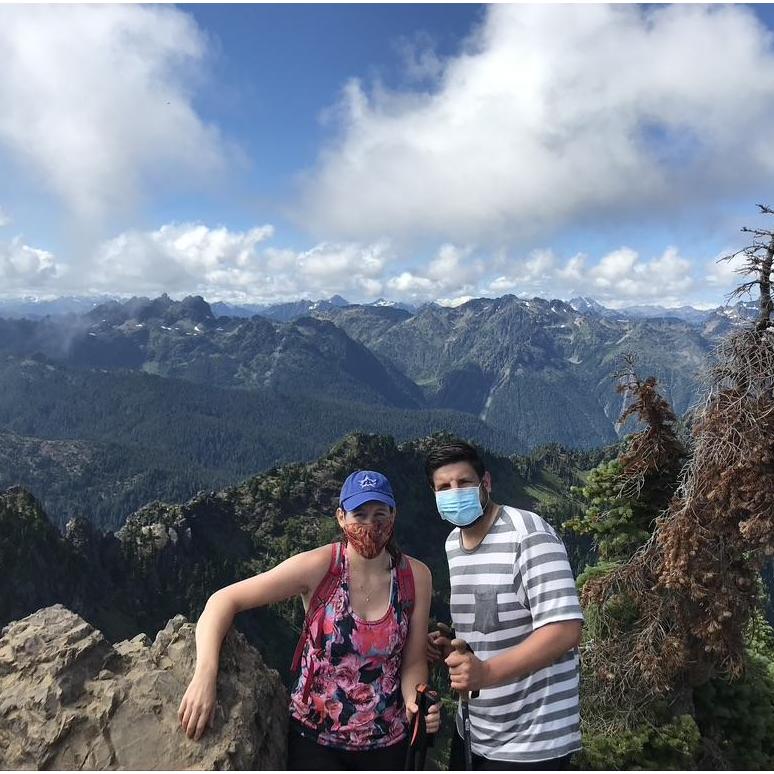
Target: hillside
(160, 437)
(168, 559)
(540, 369)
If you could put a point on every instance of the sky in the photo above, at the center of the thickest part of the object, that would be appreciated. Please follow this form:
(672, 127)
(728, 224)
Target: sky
(263, 153)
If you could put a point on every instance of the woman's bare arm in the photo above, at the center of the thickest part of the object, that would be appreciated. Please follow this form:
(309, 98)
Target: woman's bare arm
(414, 665)
(299, 574)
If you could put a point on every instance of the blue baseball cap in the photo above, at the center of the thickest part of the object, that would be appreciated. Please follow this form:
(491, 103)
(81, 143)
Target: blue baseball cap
(363, 486)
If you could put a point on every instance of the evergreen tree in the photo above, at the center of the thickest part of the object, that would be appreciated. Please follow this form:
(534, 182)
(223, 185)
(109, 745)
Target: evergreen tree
(672, 630)
(625, 495)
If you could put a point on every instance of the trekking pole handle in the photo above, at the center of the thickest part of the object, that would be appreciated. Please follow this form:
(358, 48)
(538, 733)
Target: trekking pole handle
(461, 647)
(444, 629)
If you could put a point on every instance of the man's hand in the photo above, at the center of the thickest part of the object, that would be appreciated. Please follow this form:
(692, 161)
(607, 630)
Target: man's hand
(438, 647)
(432, 719)
(467, 671)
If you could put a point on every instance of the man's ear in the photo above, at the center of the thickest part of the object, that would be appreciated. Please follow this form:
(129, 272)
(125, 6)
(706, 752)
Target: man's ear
(487, 481)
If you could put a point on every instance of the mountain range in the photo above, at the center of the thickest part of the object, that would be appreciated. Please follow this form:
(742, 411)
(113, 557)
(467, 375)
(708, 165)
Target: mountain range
(145, 398)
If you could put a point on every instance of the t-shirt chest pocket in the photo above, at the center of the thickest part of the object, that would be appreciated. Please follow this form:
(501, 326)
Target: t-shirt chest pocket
(488, 602)
(486, 618)
(496, 606)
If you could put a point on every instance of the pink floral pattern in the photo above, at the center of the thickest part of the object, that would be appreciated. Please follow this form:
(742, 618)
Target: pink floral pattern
(355, 702)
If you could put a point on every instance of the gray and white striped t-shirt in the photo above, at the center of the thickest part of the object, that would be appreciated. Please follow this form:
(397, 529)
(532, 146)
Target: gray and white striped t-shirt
(515, 581)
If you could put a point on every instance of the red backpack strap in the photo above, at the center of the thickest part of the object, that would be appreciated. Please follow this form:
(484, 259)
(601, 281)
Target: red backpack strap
(406, 583)
(317, 602)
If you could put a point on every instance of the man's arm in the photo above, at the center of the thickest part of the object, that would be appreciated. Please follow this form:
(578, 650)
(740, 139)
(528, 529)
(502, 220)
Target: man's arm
(543, 570)
(541, 649)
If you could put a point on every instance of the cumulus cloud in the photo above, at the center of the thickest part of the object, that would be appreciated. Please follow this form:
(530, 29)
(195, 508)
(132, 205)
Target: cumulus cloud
(25, 269)
(233, 265)
(97, 101)
(551, 115)
(247, 266)
(620, 276)
(419, 58)
(180, 256)
(723, 276)
(251, 267)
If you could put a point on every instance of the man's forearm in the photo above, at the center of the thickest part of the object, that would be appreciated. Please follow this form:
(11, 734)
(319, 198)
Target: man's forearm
(542, 648)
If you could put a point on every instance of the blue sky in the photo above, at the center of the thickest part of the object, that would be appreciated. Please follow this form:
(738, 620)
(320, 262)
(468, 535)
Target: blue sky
(260, 153)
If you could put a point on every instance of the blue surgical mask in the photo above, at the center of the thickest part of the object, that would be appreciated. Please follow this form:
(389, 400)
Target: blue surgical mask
(461, 507)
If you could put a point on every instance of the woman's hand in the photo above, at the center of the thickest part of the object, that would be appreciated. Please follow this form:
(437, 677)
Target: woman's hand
(197, 708)
(432, 719)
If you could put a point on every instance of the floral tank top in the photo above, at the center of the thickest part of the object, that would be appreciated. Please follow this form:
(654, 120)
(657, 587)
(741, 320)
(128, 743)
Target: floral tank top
(355, 701)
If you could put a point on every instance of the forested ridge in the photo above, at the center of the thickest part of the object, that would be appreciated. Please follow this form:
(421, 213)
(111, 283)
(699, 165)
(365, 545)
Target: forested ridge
(136, 437)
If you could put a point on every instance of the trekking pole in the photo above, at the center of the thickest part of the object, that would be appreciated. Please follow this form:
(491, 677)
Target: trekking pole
(420, 740)
(445, 630)
(448, 632)
(462, 647)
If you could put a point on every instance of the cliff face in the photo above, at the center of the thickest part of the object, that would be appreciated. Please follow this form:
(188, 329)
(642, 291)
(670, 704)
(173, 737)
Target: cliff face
(70, 700)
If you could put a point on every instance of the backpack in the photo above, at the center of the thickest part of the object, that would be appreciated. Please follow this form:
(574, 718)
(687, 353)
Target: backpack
(315, 613)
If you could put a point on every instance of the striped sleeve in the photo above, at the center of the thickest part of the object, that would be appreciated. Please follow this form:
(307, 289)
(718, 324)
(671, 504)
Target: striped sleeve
(547, 579)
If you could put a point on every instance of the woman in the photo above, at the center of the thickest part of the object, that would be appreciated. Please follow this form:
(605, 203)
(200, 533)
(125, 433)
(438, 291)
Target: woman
(355, 695)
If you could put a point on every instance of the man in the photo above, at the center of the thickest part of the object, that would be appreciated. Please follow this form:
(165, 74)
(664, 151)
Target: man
(513, 600)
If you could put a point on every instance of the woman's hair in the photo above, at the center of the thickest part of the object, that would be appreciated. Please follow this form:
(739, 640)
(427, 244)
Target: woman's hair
(393, 549)
(450, 453)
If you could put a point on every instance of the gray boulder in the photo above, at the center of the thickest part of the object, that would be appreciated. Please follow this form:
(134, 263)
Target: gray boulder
(71, 700)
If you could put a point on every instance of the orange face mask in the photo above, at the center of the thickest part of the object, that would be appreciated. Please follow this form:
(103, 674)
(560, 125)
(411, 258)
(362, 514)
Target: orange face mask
(369, 539)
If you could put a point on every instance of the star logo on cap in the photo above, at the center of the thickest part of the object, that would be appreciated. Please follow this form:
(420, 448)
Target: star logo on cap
(367, 483)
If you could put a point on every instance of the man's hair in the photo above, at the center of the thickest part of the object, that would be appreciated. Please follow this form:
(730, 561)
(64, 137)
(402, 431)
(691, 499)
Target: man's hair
(449, 453)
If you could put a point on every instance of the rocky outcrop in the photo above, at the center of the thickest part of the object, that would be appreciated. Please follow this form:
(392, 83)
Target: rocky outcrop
(71, 700)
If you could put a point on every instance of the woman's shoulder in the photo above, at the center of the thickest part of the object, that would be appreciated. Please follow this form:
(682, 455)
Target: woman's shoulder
(314, 564)
(319, 557)
(420, 570)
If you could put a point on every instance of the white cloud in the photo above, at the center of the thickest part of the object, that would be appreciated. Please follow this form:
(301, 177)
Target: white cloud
(409, 285)
(458, 301)
(97, 101)
(247, 266)
(620, 276)
(24, 268)
(453, 272)
(179, 257)
(552, 115)
(723, 274)
(419, 58)
(233, 265)
(5, 219)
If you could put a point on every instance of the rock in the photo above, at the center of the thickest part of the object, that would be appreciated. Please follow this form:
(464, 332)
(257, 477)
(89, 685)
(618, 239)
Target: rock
(71, 700)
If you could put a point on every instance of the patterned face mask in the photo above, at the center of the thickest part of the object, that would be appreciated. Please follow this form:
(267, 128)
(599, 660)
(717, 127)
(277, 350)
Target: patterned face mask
(369, 539)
